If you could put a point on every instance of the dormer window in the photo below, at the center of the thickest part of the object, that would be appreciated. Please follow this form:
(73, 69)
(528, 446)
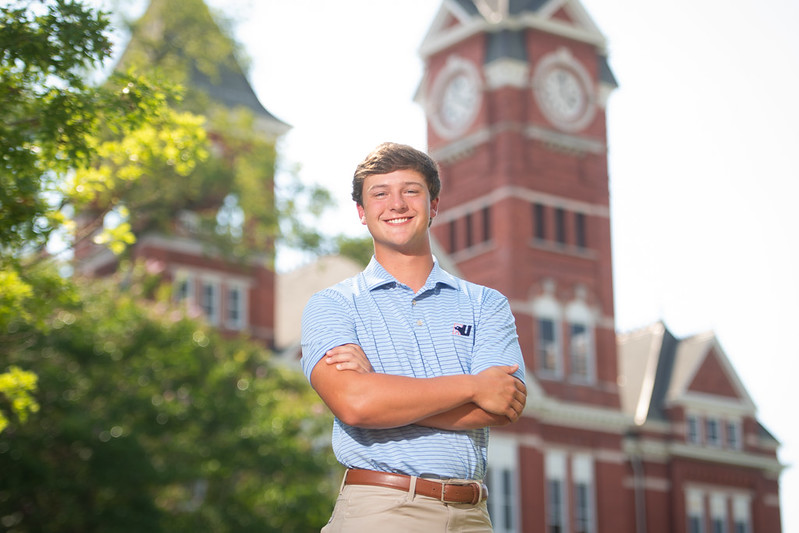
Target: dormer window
(712, 432)
(733, 435)
(547, 346)
(692, 432)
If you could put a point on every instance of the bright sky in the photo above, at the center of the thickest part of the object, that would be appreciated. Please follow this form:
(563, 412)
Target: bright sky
(703, 136)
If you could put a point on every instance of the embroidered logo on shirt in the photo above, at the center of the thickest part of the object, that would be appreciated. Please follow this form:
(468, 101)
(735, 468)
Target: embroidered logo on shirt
(462, 330)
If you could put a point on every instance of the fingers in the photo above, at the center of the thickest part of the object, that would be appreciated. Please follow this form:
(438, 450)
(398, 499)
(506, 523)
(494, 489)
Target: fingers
(349, 357)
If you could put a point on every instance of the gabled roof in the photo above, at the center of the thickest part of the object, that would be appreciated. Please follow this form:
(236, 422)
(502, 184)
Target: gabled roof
(659, 371)
(458, 19)
(224, 81)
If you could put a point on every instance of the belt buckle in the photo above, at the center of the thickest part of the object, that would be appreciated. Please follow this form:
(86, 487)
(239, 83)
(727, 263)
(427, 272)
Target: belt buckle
(477, 493)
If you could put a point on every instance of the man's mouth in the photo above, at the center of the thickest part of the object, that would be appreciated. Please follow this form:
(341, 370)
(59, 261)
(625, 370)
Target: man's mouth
(398, 220)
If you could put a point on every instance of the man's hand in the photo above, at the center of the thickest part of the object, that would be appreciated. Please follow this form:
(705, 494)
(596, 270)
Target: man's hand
(501, 393)
(349, 357)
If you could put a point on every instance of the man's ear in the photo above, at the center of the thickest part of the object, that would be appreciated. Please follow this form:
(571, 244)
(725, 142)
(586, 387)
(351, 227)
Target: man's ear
(361, 213)
(434, 207)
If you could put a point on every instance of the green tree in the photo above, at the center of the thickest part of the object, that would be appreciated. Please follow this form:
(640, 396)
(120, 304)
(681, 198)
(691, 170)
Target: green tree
(150, 421)
(49, 121)
(124, 415)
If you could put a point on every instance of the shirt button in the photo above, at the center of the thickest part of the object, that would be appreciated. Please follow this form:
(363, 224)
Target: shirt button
(413, 302)
(418, 322)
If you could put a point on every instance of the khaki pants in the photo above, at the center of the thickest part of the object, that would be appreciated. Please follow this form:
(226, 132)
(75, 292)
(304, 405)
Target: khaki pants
(369, 509)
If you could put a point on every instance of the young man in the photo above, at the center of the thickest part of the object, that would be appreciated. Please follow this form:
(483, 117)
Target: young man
(414, 363)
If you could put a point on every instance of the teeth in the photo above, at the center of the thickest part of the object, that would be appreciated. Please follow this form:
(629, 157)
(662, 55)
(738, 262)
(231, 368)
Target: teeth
(397, 220)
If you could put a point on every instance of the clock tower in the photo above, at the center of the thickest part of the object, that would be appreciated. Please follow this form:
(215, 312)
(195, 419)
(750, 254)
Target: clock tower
(515, 96)
(514, 93)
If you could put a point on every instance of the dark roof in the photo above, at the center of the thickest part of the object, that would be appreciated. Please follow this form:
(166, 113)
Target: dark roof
(224, 81)
(515, 7)
(506, 44)
(668, 353)
(605, 74)
(231, 88)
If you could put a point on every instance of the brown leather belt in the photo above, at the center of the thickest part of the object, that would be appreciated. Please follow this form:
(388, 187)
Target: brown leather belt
(472, 492)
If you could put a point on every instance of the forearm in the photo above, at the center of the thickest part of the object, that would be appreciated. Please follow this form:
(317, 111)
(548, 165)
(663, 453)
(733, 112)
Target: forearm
(467, 416)
(382, 401)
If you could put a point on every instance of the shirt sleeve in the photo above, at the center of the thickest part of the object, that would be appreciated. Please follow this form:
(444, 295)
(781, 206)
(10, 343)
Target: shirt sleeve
(496, 340)
(327, 322)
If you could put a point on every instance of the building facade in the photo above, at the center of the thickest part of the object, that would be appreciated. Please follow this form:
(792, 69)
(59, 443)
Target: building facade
(633, 433)
(236, 295)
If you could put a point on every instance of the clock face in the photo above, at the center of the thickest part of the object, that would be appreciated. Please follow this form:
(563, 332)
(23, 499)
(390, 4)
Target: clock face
(459, 101)
(563, 95)
(564, 91)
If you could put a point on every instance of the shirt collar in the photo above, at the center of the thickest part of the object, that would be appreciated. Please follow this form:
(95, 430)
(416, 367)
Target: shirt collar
(376, 276)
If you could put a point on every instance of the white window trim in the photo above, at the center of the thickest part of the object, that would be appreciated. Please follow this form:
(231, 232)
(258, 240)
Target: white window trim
(555, 470)
(503, 456)
(180, 277)
(700, 429)
(214, 315)
(583, 473)
(243, 304)
(547, 308)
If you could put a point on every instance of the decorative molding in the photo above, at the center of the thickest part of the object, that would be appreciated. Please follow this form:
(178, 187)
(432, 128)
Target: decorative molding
(566, 141)
(521, 193)
(507, 72)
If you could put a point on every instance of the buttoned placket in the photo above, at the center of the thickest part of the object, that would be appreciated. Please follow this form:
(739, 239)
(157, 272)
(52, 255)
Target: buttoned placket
(414, 302)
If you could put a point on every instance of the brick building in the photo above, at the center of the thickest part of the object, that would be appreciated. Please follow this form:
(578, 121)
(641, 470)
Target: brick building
(640, 432)
(236, 295)
(624, 433)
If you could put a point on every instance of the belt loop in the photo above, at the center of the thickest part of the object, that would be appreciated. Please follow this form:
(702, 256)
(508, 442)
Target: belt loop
(343, 481)
(412, 489)
(479, 494)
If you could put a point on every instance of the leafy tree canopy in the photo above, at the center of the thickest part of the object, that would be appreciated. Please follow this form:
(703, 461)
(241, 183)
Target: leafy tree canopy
(150, 421)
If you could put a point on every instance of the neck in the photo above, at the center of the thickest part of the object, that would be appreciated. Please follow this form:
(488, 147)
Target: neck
(412, 270)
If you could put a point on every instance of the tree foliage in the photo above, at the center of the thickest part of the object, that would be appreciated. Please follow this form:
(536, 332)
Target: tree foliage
(150, 421)
(122, 413)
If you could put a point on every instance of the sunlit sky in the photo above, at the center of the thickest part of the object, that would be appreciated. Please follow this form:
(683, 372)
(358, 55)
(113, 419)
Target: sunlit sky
(703, 135)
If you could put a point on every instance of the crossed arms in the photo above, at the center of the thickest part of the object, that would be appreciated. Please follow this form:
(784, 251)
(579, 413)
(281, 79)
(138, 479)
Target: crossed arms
(360, 397)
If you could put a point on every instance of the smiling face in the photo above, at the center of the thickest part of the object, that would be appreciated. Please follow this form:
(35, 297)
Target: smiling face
(397, 210)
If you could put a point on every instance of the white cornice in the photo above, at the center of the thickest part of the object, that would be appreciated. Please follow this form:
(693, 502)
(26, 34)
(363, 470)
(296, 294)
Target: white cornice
(551, 411)
(566, 141)
(662, 451)
(521, 193)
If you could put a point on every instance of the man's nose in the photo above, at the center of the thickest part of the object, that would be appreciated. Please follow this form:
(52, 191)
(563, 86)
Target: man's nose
(398, 202)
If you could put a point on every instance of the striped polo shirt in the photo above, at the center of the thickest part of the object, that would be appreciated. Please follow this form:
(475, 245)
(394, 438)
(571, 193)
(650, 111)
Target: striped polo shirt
(449, 327)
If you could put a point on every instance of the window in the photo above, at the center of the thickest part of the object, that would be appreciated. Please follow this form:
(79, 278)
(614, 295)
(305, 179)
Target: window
(235, 317)
(579, 350)
(733, 434)
(548, 356)
(486, 224)
(579, 230)
(740, 514)
(560, 226)
(718, 513)
(209, 301)
(696, 514)
(184, 288)
(580, 320)
(469, 232)
(712, 432)
(539, 222)
(555, 466)
(501, 481)
(583, 477)
(547, 334)
(453, 236)
(692, 434)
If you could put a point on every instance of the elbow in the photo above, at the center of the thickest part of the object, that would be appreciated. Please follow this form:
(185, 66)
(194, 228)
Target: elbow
(358, 410)
(357, 414)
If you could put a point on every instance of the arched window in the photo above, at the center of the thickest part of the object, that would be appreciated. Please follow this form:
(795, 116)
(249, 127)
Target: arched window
(549, 358)
(580, 340)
